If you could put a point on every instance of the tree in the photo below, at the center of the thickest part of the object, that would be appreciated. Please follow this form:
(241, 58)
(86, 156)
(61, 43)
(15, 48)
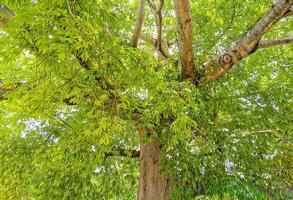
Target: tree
(180, 95)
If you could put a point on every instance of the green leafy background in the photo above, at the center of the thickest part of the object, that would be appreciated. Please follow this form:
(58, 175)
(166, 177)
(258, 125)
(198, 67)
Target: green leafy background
(52, 150)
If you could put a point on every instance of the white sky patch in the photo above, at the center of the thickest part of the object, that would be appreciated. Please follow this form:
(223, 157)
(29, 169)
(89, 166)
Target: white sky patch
(267, 176)
(194, 149)
(3, 33)
(66, 112)
(38, 126)
(202, 170)
(225, 130)
(229, 165)
(241, 175)
(246, 101)
(101, 169)
(275, 106)
(142, 94)
(94, 149)
(270, 156)
(31, 125)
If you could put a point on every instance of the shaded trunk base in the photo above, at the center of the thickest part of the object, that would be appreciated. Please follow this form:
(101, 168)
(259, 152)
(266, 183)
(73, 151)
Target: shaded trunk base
(153, 184)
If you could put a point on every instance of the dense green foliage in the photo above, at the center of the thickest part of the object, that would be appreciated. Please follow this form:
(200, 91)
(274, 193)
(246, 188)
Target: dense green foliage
(61, 120)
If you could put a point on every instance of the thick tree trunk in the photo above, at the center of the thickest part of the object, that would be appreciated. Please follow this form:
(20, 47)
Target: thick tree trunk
(153, 184)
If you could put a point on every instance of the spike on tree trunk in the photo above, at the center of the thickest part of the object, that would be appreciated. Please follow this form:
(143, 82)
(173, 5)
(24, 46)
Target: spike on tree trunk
(153, 184)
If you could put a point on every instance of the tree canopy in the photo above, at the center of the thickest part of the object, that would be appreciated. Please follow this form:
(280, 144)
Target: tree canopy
(79, 80)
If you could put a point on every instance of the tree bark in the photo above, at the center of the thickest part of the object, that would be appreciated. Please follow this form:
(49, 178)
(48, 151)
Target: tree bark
(275, 42)
(183, 13)
(153, 184)
(139, 22)
(246, 45)
(5, 10)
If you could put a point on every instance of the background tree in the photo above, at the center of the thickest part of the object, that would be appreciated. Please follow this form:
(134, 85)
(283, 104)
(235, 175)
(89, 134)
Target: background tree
(200, 91)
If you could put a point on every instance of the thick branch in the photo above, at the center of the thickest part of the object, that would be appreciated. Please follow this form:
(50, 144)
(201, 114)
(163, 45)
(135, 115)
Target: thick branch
(222, 63)
(6, 11)
(139, 22)
(288, 13)
(183, 13)
(275, 42)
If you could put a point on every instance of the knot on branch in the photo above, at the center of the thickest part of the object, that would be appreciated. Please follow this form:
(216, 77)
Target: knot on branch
(188, 20)
(225, 59)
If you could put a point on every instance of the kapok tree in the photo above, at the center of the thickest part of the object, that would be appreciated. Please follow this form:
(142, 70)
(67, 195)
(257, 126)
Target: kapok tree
(179, 95)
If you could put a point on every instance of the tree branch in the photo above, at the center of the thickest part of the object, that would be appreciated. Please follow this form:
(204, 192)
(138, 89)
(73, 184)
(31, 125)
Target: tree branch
(288, 13)
(246, 45)
(148, 39)
(139, 22)
(160, 45)
(5, 10)
(183, 13)
(263, 132)
(153, 41)
(159, 27)
(152, 4)
(275, 42)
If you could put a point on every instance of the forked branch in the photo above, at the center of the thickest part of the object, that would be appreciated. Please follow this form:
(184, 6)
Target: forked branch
(246, 45)
(159, 44)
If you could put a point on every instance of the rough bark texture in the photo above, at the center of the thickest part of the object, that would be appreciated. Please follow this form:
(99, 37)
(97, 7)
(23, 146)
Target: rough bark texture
(288, 13)
(153, 184)
(183, 13)
(222, 63)
(139, 22)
